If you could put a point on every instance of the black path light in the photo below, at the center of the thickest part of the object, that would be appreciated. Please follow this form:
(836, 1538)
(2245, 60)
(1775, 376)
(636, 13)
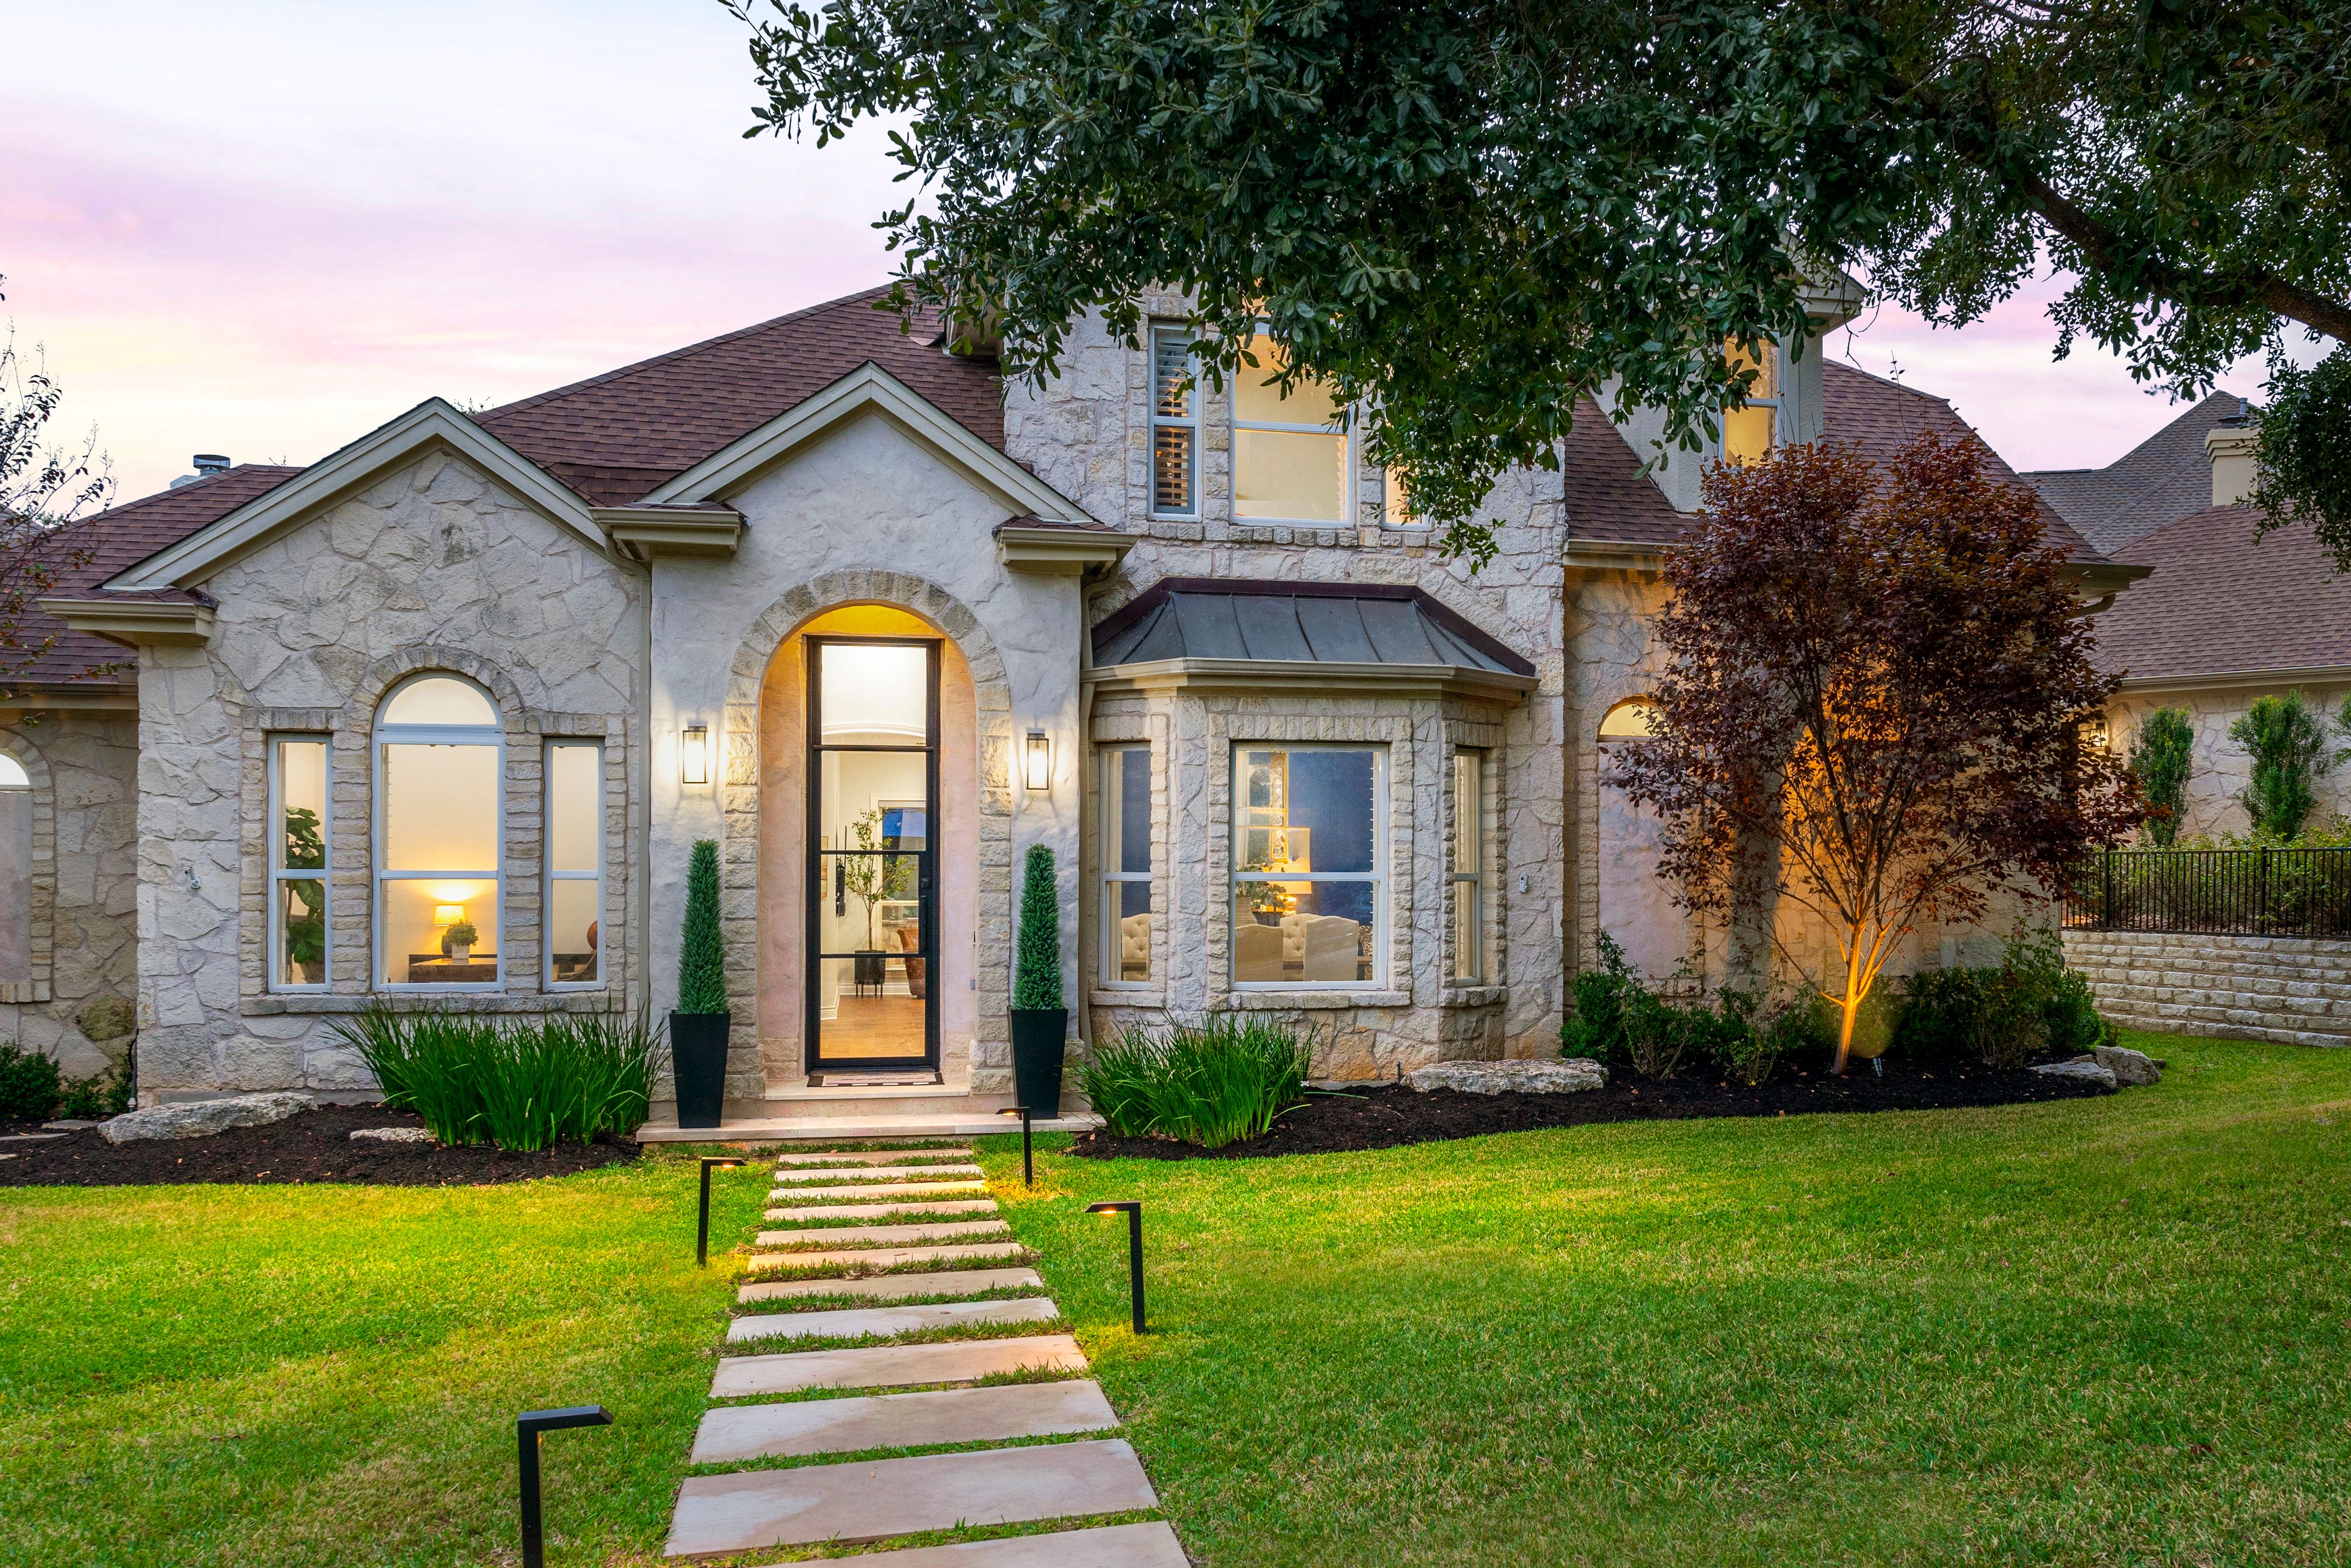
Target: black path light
(701, 1235)
(527, 1426)
(1133, 1212)
(1027, 1161)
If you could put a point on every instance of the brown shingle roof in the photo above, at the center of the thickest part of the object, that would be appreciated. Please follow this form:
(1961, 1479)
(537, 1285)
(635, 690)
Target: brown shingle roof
(615, 437)
(1606, 496)
(2159, 481)
(2220, 600)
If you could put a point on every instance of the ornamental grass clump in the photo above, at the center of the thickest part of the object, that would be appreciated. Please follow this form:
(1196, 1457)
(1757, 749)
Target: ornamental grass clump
(1210, 1083)
(524, 1084)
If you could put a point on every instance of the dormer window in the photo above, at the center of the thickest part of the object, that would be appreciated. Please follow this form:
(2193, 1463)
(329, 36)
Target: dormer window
(1290, 452)
(1749, 434)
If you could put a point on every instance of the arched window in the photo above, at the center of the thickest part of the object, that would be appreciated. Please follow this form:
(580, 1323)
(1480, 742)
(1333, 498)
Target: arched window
(440, 794)
(16, 871)
(1635, 718)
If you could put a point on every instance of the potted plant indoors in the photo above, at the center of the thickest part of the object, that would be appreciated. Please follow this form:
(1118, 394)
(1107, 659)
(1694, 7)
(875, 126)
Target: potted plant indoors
(698, 1028)
(1040, 1020)
(458, 942)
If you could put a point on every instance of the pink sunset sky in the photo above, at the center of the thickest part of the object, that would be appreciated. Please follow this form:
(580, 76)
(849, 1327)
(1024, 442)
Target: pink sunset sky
(264, 228)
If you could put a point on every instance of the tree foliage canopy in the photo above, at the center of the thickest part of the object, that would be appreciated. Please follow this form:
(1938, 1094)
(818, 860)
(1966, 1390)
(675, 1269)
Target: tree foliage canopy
(44, 485)
(1873, 705)
(1467, 214)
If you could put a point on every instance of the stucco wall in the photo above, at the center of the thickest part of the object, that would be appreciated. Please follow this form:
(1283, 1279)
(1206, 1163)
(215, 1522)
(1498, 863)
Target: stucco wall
(432, 565)
(2219, 767)
(78, 885)
(2291, 990)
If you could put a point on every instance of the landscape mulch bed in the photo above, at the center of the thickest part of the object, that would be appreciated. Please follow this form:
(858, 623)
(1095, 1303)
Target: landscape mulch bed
(1386, 1115)
(313, 1146)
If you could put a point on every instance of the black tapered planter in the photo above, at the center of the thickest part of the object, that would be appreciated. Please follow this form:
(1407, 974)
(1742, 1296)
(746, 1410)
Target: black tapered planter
(1038, 1034)
(697, 1055)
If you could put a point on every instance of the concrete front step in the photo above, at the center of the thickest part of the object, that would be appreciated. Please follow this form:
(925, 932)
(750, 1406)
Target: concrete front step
(801, 1175)
(894, 1366)
(876, 1210)
(879, 1498)
(851, 1323)
(872, 1156)
(837, 1129)
(1106, 1546)
(894, 1287)
(907, 1189)
(865, 1258)
(934, 1417)
(884, 1235)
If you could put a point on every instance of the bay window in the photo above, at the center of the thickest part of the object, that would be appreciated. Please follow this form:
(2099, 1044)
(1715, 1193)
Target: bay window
(1466, 865)
(440, 772)
(1125, 850)
(1310, 864)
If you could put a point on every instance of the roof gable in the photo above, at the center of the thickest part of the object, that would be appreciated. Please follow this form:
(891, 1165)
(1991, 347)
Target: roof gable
(2161, 480)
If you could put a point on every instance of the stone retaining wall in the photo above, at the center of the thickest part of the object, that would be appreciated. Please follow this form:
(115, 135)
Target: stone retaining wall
(2287, 989)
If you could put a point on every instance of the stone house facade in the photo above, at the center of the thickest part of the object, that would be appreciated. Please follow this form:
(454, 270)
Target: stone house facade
(437, 720)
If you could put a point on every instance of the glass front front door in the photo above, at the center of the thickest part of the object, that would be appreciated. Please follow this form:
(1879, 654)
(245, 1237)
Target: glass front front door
(873, 727)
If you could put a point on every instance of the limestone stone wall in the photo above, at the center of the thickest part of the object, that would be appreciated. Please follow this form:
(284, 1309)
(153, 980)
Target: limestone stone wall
(77, 885)
(432, 566)
(2292, 990)
(2219, 767)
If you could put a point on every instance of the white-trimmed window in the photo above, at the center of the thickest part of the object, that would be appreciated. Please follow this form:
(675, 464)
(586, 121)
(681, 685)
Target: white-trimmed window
(16, 873)
(1310, 864)
(440, 848)
(1635, 718)
(1125, 839)
(301, 829)
(575, 865)
(1175, 425)
(1466, 866)
(1290, 452)
(1749, 434)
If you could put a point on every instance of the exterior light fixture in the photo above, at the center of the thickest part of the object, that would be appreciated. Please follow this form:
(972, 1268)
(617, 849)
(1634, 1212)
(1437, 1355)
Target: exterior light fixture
(1039, 770)
(527, 1426)
(702, 1234)
(1028, 1164)
(694, 754)
(1133, 1212)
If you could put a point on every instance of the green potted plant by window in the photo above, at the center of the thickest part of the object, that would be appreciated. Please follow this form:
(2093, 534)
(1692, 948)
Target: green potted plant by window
(698, 1030)
(1040, 1020)
(458, 942)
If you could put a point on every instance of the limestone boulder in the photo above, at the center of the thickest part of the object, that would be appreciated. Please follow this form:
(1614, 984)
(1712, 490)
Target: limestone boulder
(202, 1118)
(1568, 1077)
(2090, 1070)
(2128, 1066)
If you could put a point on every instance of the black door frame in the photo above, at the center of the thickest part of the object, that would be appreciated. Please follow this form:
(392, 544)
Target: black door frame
(927, 873)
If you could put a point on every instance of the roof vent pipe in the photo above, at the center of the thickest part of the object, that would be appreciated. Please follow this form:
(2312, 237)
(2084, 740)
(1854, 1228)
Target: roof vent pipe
(209, 463)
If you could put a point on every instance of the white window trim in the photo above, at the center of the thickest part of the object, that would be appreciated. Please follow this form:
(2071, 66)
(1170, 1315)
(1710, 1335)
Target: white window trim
(1110, 978)
(1473, 879)
(1382, 830)
(384, 734)
(1349, 458)
(1159, 421)
(276, 849)
(1777, 405)
(547, 856)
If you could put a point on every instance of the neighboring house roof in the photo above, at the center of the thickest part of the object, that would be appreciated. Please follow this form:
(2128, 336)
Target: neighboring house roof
(121, 536)
(1296, 622)
(617, 437)
(1607, 500)
(2223, 601)
(2159, 481)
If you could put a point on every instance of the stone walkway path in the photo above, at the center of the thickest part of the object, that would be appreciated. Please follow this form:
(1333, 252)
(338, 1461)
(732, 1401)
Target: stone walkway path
(901, 1266)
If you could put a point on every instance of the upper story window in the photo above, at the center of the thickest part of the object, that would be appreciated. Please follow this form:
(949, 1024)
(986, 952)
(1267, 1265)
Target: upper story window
(1290, 452)
(1749, 434)
(300, 814)
(1310, 864)
(440, 772)
(1175, 425)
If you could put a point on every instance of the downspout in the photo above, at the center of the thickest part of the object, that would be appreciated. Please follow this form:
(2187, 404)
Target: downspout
(1085, 742)
(642, 873)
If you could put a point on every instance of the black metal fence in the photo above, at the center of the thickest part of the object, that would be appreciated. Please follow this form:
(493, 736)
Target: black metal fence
(2221, 893)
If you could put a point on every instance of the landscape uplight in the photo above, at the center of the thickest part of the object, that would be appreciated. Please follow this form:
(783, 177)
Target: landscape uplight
(527, 1426)
(1028, 1164)
(701, 1235)
(1133, 1212)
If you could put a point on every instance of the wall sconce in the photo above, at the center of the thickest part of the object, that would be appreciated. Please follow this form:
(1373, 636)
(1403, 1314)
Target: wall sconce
(694, 755)
(1038, 772)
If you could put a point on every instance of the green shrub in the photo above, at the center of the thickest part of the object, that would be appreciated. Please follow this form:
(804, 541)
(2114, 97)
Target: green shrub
(1597, 1001)
(1037, 957)
(1209, 1083)
(2285, 735)
(29, 1085)
(2160, 758)
(99, 1096)
(2002, 1015)
(1614, 1017)
(702, 951)
(524, 1084)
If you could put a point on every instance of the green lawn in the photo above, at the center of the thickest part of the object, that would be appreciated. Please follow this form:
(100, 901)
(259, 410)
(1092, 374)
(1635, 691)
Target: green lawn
(2098, 1331)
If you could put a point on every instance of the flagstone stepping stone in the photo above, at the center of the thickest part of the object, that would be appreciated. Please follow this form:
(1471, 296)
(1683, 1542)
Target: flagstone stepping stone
(803, 1426)
(922, 1189)
(876, 1210)
(870, 1156)
(851, 1323)
(885, 1257)
(886, 1173)
(893, 1366)
(1106, 1546)
(894, 1287)
(881, 1498)
(882, 1235)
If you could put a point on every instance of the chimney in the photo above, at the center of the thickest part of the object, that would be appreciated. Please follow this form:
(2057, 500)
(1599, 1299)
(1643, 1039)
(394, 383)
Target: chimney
(2231, 447)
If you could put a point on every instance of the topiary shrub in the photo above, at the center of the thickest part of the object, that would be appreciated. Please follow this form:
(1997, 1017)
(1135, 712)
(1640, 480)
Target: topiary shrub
(2285, 735)
(1037, 957)
(2160, 758)
(29, 1085)
(702, 957)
